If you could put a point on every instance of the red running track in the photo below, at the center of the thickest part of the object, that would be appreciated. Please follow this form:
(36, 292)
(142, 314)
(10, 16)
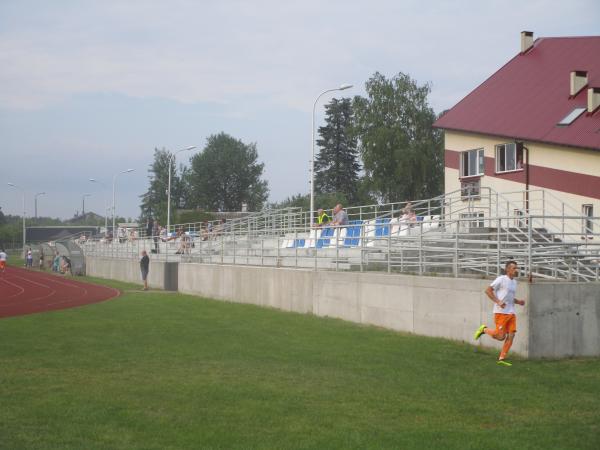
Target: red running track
(25, 291)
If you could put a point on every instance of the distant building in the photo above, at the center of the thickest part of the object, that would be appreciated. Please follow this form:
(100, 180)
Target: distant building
(59, 232)
(535, 124)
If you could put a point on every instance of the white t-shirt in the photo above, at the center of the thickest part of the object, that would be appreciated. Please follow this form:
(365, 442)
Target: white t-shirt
(2, 256)
(505, 290)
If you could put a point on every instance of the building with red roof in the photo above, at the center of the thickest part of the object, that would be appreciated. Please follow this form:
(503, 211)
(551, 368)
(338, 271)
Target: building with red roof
(533, 125)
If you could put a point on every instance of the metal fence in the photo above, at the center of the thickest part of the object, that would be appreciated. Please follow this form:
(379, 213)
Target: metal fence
(451, 245)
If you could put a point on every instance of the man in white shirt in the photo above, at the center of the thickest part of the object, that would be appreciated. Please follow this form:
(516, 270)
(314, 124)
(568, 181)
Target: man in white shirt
(2, 260)
(502, 292)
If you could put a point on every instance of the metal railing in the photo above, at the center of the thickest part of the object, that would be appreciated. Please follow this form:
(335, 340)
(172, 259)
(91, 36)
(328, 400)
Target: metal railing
(434, 245)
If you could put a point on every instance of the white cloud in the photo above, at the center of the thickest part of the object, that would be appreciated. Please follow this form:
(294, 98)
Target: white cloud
(236, 66)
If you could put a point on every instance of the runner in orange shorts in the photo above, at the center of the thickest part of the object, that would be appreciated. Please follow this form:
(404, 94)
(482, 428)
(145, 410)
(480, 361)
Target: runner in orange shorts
(502, 292)
(2, 260)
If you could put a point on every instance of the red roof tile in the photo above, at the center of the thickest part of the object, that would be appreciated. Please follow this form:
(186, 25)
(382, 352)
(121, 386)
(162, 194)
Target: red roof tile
(527, 97)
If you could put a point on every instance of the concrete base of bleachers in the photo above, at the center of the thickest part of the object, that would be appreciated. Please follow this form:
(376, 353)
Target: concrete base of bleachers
(560, 320)
(162, 275)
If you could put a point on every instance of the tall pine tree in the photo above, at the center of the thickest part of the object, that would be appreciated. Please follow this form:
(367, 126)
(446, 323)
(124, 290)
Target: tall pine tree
(336, 165)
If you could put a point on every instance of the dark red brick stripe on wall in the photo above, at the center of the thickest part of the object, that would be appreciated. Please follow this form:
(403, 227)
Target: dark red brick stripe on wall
(544, 177)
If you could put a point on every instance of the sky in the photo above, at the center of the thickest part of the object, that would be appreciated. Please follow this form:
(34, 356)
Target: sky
(89, 89)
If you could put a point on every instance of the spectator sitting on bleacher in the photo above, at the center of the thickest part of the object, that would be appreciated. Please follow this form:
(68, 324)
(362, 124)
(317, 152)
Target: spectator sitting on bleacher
(163, 234)
(182, 241)
(185, 243)
(409, 214)
(340, 216)
(322, 218)
(205, 230)
(221, 227)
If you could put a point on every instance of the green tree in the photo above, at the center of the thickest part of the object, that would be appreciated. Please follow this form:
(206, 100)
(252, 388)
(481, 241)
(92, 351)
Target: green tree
(10, 230)
(336, 165)
(226, 174)
(154, 200)
(401, 152)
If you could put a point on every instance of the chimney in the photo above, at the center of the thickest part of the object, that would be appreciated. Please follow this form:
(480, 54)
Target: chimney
(526, 40)
(578, 81)
(593, 99)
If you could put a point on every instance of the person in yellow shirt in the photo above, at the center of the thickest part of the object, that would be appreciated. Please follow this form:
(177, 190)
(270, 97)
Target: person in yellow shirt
(322, 218)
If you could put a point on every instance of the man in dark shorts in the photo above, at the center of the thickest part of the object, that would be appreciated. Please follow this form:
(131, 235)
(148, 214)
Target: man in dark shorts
(145, 268)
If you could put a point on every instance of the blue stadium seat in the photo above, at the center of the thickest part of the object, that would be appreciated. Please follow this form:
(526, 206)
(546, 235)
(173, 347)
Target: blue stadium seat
(382, 227)
(325, 239)
(298, 243)
(353, 233)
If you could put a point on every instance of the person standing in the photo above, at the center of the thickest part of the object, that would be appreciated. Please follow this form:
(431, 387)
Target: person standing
(29, 260)
(145, 268)
(149, 226)
(41, 259)
(502, 292)
(2, 260)
(56, 262)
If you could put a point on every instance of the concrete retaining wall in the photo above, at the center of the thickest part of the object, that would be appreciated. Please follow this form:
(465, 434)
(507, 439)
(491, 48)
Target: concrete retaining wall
(162, 275)
(564, 320)
(429, 306)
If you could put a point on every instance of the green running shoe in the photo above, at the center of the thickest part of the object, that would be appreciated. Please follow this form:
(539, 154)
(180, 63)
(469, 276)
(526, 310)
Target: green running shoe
(502, 362)
(479, 332)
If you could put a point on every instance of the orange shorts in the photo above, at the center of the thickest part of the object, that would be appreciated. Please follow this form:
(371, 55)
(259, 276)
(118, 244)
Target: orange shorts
(505, 323)
(2, 264)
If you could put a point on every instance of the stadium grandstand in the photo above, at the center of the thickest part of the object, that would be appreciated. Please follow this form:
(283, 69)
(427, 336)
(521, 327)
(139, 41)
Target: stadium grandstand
(457, 234)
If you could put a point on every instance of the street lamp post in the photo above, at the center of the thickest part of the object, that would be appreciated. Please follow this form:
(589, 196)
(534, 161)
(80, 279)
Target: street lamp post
(171, 157)
(106, 209)
(83, 203)
(23, 192)
(35, 201)
(312, 160)
(113, 203)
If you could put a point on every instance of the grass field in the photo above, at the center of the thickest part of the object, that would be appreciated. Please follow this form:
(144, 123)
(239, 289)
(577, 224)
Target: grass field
(164, 371)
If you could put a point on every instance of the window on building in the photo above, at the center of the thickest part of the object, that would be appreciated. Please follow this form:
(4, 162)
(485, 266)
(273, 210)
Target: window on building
(569, 118)
(470, 190)
(519, 218)
(471, 163)
(472, 220)
(588, 214)
(509, 157)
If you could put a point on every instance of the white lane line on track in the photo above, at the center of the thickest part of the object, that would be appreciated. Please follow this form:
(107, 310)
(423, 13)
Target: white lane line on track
(49, 277)
(15, 285)
(29, 300)
(55, 279)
